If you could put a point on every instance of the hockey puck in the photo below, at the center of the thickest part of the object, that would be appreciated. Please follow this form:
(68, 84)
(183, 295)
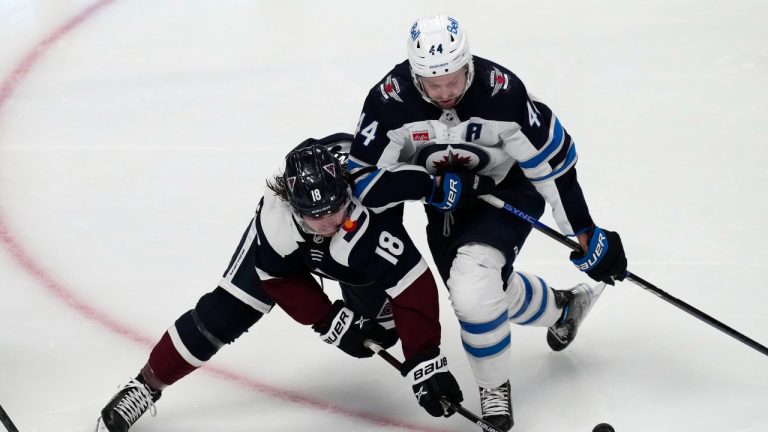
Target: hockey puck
(603, 427)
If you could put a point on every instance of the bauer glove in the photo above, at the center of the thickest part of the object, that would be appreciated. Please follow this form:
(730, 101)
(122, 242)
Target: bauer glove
(348, 330)
(604, 261)
(432, 381)
(459, 190)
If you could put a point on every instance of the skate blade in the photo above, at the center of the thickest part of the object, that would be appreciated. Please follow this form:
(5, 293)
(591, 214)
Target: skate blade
(595, 291)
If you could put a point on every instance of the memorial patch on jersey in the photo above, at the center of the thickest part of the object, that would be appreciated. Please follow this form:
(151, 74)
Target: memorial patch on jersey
(499, 80)
(420, 135)
(390, 88)
(316, 254)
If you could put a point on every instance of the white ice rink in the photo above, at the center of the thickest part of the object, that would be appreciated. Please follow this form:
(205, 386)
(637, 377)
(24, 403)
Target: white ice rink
(135, 136)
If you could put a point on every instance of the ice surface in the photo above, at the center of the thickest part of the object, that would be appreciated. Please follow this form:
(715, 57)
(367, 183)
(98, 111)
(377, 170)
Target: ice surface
(134, 141)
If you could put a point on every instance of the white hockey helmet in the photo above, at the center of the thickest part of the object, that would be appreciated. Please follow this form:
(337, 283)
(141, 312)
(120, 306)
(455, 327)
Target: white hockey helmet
(438, 45)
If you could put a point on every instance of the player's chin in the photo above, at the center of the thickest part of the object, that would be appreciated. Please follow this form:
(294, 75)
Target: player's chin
(448, 104)
(330, 233)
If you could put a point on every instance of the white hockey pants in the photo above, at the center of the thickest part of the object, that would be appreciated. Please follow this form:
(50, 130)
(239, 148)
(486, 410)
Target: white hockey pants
(484, 309)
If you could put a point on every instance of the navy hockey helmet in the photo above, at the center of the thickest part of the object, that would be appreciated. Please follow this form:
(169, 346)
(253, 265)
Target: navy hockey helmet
(315, 181)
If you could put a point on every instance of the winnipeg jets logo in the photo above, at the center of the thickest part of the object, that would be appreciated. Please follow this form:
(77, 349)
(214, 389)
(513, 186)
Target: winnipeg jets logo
(499, 80)
(451, 162)
(466, 157)
(390, 88)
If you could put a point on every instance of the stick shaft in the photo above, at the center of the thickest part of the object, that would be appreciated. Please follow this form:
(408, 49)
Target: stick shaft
(642, 283)
(6, 421)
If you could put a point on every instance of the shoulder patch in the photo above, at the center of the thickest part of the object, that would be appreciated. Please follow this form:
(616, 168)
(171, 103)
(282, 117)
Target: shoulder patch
(390, 88)
(498, 80)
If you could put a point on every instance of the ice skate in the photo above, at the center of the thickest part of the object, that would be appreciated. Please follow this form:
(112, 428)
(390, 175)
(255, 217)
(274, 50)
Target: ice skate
(130, 402)
(496, 406)
(576, 303)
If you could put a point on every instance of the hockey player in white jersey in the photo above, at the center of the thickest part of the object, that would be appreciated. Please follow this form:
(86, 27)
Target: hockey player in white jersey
(444, 127)
(309, 223)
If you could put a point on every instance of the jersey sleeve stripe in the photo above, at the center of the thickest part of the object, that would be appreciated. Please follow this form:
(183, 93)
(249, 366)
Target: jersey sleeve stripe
(408, 279)
(567, 164)
(244, 297)
(364, 182)
(549, 149)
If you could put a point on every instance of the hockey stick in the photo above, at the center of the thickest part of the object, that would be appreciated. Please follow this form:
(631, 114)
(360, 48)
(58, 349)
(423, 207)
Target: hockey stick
(6, 421)
(456, 407)
(637, 280)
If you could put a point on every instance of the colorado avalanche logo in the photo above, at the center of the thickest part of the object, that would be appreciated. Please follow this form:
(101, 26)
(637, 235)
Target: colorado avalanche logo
(386, 311)
(499, 80)
(290, 182)
(390, 88)
(438, 158)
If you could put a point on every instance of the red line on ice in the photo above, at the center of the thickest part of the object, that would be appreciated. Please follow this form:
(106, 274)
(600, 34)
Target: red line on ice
(25, 261)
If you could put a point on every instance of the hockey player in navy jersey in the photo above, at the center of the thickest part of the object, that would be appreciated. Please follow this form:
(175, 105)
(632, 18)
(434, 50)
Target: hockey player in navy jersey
(444, 127)
(309, 223)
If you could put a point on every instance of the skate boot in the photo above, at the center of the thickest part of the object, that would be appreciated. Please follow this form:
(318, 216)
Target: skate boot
(576, 303)
(497, 406)
(130, 402)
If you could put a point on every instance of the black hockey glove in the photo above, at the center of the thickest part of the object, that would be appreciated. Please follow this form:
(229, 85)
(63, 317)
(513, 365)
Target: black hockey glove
(432, 381)
(459, 190)
(605, 259)
(349, 330)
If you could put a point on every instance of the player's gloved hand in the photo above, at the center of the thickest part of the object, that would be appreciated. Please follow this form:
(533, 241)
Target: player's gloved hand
(349, 330)
(458, 190)
(605, 259)
(432, 381)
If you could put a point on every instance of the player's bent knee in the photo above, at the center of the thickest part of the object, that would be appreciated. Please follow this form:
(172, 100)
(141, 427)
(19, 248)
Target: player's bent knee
(475, 283)
(224, 316)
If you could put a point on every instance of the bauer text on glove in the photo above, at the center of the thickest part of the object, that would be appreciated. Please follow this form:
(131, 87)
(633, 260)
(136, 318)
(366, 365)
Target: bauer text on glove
(458, 190)
(431, 381)
(349, 330)
(604, 261)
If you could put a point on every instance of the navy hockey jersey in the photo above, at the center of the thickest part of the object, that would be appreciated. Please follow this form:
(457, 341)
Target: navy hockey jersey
(371, 251)
(497, 129)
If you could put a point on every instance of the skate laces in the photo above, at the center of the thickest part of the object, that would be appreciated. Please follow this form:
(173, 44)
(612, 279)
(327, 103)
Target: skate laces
(495, 401)
(135, 402)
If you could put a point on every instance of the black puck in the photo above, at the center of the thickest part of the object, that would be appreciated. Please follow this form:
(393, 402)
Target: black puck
(603, 427)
